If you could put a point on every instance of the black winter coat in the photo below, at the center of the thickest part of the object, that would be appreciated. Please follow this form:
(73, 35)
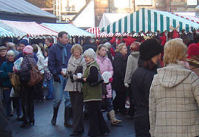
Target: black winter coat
(119, 69)
(140, 87)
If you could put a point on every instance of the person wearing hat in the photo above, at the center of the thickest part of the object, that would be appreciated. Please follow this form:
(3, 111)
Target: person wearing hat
(174, 95)
(193, 57)
(5, 70)
(3, 51)
(92, 95)
(150, 54)
(27, 92)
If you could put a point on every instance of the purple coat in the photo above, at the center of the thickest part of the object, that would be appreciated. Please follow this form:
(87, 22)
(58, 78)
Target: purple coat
(106, 65)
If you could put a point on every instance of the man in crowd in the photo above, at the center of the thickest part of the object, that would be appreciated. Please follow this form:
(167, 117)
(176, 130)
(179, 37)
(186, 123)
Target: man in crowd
(59, 55)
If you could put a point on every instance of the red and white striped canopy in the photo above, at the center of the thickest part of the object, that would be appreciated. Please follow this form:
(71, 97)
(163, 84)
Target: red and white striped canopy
(94, 30)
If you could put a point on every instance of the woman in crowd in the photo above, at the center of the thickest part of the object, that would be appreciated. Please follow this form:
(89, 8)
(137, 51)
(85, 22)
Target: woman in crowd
(174, 95)
(75, 69)
(132, 64)
(40, 64)
(6, 69)
(27, 91)
(119, 68)
(48, 78)
(105, 65)
(193, 57)
(150, 54)
(92, 95)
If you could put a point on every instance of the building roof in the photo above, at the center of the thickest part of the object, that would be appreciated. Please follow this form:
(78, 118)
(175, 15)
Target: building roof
(22, 7)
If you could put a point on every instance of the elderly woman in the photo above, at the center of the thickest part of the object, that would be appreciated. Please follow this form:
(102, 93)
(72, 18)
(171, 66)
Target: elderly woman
(92, 95)
(173, 101)
(5, 70)
(27, 91)
(75, 69)
(119, 68)
(150, 54)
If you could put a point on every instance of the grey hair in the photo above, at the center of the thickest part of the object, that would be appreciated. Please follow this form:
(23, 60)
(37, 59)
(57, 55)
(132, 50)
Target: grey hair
(90, 53)
(10, 52)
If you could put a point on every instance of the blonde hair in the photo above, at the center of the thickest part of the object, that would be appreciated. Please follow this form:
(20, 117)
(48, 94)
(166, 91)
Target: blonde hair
(76, 46)
(119, 47)
(174, 50)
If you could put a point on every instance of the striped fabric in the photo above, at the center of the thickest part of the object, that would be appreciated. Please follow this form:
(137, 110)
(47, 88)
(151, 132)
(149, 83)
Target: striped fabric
(94, 30)
(150, 20)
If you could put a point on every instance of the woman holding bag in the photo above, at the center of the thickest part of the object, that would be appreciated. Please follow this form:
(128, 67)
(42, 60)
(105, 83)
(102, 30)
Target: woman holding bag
(27, 90)
(76, 66)
(92, 95)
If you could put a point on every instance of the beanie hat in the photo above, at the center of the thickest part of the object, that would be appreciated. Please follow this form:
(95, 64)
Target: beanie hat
(24, 41)
(3, 48)
(193, 50)
(90, 53)
(10, 52)
(28, 50)
(149, 49)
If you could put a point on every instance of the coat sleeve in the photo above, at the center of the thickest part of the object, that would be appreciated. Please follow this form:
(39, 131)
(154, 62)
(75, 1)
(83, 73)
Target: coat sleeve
(195, 87)
(93, 75)
(51, 61)
(4, 73)
(152, 110)
(129, 70)
(110, 67)
(117, 67)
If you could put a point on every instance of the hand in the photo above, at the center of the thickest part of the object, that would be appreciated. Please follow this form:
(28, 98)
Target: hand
(56, 78)
(84, 79)
(126, 85)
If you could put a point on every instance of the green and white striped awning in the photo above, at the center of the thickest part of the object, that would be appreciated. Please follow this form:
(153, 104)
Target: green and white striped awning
(149, 20)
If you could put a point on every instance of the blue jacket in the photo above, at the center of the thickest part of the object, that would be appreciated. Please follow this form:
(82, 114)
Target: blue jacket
(6, 67)
(56, 58)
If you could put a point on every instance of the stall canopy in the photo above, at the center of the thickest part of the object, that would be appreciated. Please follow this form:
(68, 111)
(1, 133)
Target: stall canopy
(109, 18)
(21, 10)
(94, 30)
(69, 28)
(150, 20)
(30, 29)
(5, 33)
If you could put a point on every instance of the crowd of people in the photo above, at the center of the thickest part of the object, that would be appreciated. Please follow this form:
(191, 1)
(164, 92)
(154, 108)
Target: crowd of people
(153, 79)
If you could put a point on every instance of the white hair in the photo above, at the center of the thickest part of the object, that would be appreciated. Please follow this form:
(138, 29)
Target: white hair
(90, 53)
(10, 52)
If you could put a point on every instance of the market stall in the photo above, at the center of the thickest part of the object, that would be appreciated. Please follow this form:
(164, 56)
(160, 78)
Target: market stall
(150, 20)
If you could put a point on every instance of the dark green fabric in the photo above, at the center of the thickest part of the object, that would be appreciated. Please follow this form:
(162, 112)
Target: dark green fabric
(91, 93)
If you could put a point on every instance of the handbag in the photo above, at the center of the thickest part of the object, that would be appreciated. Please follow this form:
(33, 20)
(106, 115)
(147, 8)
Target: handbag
(35, 76)
(15, 82)
(99, 81)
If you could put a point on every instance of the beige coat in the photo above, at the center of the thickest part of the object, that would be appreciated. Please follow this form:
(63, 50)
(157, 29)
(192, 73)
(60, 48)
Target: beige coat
(173, 103)
(72, 66)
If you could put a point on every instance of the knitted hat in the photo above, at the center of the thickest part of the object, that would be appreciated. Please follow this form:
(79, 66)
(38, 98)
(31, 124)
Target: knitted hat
(149, 49)
(193, 50)
(3, 48)
(24, 41)
(28, 50)
(90, 53)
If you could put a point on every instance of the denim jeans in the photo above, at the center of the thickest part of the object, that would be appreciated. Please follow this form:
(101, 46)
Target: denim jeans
(59, 93)
(108, 104)
(7, 101)
(50, 89)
